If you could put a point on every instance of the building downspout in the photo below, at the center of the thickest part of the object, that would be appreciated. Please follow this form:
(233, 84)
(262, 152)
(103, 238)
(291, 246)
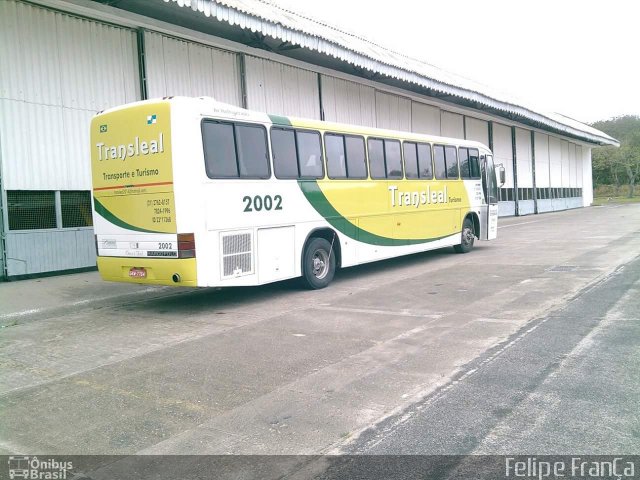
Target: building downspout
(4, 224)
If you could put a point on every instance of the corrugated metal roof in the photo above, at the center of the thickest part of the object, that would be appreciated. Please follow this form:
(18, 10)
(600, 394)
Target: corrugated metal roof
(272, 20)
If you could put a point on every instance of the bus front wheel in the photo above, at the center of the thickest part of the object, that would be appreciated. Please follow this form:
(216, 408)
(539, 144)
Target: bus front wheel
(318, 263)
(467, 237)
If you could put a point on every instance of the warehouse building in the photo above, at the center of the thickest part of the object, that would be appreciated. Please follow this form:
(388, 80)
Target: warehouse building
(64, 60)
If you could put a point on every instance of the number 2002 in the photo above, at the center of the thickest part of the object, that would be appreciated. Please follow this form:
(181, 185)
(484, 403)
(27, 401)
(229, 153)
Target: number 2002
(258, 203)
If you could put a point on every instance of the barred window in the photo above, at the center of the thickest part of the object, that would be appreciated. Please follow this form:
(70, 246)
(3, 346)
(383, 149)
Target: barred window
(31, 210)
(76, 209)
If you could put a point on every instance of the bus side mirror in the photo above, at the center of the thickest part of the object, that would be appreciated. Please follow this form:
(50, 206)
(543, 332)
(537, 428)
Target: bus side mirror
(502, 175)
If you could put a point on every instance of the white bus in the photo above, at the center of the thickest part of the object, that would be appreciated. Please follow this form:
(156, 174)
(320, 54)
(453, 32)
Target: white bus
(193, 192)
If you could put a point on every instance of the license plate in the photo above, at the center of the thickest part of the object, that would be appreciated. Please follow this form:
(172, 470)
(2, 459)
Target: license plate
(136, 272)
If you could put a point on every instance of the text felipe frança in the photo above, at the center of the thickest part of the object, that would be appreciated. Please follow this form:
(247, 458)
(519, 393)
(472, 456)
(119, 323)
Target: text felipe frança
(577, 467)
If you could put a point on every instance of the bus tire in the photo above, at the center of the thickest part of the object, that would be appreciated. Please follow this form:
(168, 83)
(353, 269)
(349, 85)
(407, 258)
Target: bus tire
(467, 237)
(318, 263)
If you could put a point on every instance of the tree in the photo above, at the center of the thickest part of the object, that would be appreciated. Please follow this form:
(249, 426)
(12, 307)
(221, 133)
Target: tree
(611, 164)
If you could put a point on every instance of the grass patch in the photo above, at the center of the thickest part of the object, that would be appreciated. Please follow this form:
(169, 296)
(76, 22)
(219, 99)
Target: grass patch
(599, 201)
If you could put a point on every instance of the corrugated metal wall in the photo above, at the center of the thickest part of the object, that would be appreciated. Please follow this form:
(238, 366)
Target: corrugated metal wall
(393, 112)
(579, 165)
(280, 89)
(348, 102)
(523, 155)
(503, 152)
(526, 203)
(477, 130)
(68, 249)
(555, 162)
(565, 169)
(541, 144)
(425, 118)
(57, 72)
(452, 125)
(587, 178)
(178, 67)
(503, 155)
(541, 147)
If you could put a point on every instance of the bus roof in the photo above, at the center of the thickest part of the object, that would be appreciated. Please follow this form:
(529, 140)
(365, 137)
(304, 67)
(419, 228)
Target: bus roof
(209, 106)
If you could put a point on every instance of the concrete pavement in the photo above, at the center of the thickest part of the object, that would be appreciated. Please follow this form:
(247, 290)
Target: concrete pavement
(276, 369)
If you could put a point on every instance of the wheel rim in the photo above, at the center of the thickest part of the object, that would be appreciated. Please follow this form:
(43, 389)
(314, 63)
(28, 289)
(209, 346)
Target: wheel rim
(467, 236)
(320, 264)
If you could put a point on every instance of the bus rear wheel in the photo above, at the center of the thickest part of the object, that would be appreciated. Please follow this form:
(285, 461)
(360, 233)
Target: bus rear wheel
(467, 237)
(318, 264)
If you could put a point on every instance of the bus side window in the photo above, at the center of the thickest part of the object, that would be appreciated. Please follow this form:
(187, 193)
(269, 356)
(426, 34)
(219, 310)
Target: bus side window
(465, 172)
(283, 146)
(219, 150)
(410, 160)
(356, 159)
(425, 167)
(309, 154)
(441, 167)
(474, 164)
(393, 158)
(251, 145)
(376, 158)
(336, 158)
(451, 159)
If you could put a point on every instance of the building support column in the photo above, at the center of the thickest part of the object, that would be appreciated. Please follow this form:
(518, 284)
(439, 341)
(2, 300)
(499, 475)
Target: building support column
(491, 136)
(319, 75)
(242, 66)
(515, 171)
(533, 172)
(142, 64)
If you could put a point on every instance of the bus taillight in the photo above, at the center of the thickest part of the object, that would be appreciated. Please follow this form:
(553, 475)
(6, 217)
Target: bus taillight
(186, 245)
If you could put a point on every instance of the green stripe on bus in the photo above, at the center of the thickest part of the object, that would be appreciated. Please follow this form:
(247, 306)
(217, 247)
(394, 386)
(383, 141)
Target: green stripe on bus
(280, 120)
(321, 204)
(110, 217)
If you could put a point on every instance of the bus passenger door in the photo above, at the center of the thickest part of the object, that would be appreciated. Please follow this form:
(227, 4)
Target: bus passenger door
(489, 209)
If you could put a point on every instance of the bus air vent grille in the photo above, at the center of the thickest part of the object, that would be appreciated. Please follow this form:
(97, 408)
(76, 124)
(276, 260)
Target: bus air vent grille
(237, 254)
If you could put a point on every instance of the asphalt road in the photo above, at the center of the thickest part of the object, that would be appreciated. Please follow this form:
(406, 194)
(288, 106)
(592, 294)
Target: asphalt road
(527, 344)
(563, 384)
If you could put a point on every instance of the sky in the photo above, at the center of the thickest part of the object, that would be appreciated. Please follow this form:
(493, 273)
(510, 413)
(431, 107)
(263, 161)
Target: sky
(577, 58)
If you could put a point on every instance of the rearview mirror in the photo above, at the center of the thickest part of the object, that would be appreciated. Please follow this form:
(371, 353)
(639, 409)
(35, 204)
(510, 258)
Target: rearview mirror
(502, 175)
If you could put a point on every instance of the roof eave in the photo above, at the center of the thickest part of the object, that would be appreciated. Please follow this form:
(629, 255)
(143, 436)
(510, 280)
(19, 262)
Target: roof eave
(224, 10)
